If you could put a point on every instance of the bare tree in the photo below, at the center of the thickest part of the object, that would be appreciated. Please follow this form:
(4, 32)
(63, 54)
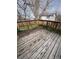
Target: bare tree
(34, 5)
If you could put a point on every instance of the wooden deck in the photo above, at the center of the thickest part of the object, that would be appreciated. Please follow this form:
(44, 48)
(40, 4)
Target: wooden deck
(40, 44)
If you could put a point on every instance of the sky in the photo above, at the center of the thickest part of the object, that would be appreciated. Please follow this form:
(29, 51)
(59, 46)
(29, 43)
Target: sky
(55, 5)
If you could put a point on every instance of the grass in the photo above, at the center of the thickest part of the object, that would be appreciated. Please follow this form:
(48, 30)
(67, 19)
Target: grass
(34, 26)
(27, 27)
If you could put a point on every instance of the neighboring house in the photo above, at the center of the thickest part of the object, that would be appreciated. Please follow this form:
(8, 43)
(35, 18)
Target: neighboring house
(52, 17)
(49, 17)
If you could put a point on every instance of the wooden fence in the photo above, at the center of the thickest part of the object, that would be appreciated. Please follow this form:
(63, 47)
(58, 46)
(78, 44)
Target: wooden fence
(52, 24)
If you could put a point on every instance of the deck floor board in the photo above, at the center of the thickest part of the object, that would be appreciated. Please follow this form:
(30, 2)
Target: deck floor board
(40, 44)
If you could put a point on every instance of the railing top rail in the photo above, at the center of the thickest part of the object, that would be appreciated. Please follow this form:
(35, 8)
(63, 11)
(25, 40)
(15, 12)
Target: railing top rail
(38, 20)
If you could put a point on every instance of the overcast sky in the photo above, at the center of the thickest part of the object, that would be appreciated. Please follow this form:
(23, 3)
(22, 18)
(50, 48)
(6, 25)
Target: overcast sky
(55, 5)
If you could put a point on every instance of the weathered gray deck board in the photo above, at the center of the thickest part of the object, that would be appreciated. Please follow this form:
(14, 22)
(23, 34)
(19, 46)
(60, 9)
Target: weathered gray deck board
(41, 44)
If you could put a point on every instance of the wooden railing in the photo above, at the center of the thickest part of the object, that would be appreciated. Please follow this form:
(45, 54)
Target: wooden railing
(52, 24)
